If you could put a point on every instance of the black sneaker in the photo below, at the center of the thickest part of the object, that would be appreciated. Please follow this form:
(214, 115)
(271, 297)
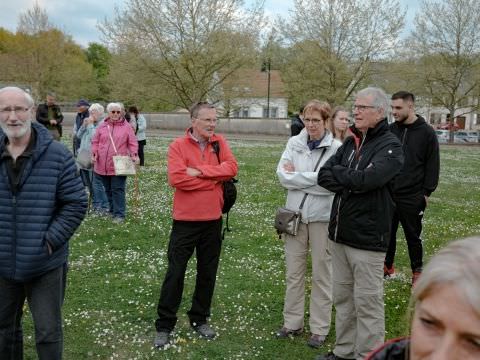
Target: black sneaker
(284, 333)
(162, 338)
(205, 331)
(330, 356)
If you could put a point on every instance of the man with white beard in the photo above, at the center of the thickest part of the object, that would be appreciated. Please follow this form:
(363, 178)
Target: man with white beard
(42, 202)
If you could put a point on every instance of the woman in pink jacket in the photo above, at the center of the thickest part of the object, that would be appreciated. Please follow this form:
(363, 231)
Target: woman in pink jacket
(114, 136)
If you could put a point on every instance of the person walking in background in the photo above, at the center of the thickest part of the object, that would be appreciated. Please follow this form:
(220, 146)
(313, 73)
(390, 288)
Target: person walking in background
(297, 123)
(446, 304)
(360, 224)
(416, 181)
(85, 133)
(114, 136)
(50, 116)
(42, 203)
(140, 126)
(339, 124)
(196, 173)
(297, 172)
(82, 114)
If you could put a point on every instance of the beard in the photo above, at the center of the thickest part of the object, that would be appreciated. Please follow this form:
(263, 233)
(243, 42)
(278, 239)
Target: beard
(401, 119)
(18, 132)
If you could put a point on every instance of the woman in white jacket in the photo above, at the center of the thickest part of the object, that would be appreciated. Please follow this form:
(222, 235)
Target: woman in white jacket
(297, 172)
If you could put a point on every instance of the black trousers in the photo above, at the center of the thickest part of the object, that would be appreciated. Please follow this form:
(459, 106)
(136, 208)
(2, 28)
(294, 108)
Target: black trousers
(205, 238)
(409, 212)
(141, 153)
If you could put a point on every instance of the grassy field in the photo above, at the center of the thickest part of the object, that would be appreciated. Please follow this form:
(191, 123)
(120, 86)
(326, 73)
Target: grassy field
(116, 270)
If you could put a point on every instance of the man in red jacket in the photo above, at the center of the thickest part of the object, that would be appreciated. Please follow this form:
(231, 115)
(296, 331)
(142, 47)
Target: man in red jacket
(196, 174)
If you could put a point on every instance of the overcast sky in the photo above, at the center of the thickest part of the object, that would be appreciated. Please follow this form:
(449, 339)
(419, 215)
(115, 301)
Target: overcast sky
(79, 18)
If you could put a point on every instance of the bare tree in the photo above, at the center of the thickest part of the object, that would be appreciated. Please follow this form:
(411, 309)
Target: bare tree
(340, 39)
(34, 21)
(187, 46)
(447, 45)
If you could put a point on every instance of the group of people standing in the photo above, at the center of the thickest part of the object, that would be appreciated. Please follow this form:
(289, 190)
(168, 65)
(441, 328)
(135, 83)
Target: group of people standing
(372, 176)
(352, 193)
(97, 137)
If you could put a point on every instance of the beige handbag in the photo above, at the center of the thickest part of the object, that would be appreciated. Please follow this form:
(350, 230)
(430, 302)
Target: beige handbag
(123, 164)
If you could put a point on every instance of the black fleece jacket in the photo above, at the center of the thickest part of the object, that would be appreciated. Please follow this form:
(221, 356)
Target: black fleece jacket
(421, 168)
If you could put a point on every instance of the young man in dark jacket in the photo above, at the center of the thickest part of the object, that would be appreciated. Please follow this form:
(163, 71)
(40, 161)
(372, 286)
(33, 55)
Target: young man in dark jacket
(42, 202)
(50, 115)
(297, 123)
(360, 224)
(415, 182)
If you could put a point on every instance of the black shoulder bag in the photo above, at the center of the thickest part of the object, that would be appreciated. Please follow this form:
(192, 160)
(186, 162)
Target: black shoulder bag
(229, 191)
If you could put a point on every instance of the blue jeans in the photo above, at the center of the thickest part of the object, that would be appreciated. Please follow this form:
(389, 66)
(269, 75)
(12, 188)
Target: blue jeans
(115, 190)
(44, 295)
(99, 196)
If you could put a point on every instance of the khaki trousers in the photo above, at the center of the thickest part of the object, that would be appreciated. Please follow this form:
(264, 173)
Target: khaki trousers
(315, 236)
(358, 299)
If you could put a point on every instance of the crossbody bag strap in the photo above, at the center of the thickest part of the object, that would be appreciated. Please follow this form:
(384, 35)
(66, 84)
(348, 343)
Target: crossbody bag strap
(314, 169)
(111, 139)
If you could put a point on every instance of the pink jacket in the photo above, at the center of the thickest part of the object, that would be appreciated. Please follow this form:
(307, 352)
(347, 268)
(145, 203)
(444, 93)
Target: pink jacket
(103, 150)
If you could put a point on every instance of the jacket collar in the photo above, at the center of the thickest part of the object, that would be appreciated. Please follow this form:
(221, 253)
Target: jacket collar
(302, 138)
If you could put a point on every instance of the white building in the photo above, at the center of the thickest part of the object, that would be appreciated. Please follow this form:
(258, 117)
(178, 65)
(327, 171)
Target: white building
(248, 95)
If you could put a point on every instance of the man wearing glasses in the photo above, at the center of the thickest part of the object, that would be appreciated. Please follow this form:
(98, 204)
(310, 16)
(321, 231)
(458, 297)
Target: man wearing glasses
(359, 227)
(42, 202)
(196, 173)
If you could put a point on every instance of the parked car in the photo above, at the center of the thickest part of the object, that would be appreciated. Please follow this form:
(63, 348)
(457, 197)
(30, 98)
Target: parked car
(474, 136)
(442, 136)
(461, 137)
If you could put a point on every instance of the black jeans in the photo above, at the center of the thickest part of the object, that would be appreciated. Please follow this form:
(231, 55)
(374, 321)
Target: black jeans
(45, 296)
(187, 236)
(141, 153)
(409, 213)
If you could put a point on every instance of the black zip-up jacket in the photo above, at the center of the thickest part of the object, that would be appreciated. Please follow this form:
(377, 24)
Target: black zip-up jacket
(420, 172)
(359, 174)
(42, 116)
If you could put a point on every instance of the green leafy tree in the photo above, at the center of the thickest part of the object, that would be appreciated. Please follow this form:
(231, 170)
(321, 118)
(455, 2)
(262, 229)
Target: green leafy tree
(446, 46)
(100, 58)
(334, 42)
(188, 47)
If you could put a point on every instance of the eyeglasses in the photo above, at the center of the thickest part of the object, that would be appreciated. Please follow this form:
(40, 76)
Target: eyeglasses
(19, 110)
(115, 111)
(362, 108)
(312, 121)
(212, 121)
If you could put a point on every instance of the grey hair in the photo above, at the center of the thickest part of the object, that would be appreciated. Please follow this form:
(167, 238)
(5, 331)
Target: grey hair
(456, 264)
(195, 108)
(112, 105)
(52, 94)
(28, 97)
(380, 98)
(97, 107)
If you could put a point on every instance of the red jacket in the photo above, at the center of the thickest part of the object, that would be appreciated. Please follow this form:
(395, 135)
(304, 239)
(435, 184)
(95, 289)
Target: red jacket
(199, 198)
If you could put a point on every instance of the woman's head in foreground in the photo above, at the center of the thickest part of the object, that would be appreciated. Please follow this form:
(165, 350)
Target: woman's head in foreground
(446, 322)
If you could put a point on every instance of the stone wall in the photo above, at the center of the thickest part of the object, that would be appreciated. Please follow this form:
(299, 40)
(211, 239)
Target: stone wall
(173, 121)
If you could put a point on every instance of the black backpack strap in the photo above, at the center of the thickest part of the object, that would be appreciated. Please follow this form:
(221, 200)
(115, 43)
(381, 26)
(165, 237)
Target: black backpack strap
(216, 149)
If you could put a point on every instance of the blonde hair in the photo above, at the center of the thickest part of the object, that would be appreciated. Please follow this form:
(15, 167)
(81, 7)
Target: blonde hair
(342, 134)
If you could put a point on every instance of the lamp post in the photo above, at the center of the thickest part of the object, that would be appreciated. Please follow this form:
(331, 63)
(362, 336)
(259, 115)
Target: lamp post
(266, 67)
